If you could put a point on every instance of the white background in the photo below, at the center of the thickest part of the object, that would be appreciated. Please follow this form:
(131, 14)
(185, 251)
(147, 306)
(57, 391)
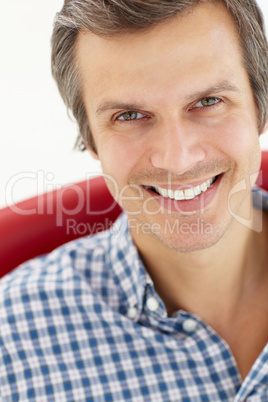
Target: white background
(37, 137)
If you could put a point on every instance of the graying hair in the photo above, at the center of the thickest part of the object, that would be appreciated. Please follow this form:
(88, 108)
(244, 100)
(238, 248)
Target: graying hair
(112, 17)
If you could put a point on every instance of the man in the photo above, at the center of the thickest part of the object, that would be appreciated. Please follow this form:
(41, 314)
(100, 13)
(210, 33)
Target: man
(171, 305)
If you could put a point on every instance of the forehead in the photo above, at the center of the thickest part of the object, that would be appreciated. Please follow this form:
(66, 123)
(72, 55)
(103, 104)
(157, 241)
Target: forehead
(173, 57)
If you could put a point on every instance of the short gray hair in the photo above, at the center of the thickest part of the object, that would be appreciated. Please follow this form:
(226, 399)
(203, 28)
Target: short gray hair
(111, 17)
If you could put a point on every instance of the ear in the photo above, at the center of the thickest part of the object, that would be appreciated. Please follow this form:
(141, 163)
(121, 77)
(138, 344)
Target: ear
(265, 127)
(92, 152)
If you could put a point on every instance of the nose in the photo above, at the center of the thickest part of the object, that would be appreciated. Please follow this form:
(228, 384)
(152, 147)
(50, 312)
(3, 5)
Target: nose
(177, 148)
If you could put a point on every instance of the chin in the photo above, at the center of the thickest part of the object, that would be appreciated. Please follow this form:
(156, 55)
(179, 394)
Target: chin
(189, 242)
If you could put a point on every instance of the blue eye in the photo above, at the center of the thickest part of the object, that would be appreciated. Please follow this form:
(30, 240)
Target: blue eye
(131, 115)
(205, 102)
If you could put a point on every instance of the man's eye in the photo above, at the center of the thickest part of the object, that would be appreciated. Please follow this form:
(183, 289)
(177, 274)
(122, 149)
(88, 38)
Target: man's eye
(205, 102)
(131, 115)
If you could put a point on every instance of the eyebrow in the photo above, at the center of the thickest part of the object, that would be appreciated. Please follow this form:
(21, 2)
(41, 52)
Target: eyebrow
(112, 105)
(224, 86)
(220, 87)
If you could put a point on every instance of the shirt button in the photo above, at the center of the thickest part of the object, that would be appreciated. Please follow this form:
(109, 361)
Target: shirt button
(152, 304)
(132, 313)
(189, 325)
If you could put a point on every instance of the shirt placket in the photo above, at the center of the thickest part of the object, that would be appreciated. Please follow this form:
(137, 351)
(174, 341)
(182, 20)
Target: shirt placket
(205, 348)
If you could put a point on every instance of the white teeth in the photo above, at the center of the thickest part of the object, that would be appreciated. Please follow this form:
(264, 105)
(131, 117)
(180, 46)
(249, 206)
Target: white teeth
(197, 190)
(203, 186)
(209, 182)
(179, 195)
(171, 194)
(186, 194)
(189, 193)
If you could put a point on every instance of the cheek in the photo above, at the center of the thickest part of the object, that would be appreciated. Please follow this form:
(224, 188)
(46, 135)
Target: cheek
(119, 157)
(237, 137)
(239, 141)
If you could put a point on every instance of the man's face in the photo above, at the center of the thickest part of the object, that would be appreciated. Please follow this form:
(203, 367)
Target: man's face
(172, 109)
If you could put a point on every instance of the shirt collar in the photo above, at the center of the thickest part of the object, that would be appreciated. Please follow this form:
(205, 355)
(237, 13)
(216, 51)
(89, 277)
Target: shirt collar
(127, 267)
(260, 198)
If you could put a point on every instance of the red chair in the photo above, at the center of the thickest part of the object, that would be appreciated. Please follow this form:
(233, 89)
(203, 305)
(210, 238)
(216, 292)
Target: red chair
(40, 224)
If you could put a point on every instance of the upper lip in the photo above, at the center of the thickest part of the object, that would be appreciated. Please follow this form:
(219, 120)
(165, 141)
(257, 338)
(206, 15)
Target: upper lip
(180, 186)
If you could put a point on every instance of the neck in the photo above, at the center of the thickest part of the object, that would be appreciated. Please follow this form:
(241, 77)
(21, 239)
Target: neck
(205, 282)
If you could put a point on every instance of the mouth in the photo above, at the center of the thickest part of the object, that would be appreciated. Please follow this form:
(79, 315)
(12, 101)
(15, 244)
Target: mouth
(185, 194)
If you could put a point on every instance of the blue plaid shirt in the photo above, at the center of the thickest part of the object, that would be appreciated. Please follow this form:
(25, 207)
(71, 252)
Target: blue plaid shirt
(85, 323)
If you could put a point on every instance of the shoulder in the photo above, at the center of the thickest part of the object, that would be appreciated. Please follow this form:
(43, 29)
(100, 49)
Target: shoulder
(52, 306)
(80, 266)
(61, 264)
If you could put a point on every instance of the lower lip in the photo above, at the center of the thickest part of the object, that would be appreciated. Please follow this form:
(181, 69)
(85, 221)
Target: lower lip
(198, 203)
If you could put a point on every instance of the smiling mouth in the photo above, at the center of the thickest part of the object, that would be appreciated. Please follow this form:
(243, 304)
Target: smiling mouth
(185, 194)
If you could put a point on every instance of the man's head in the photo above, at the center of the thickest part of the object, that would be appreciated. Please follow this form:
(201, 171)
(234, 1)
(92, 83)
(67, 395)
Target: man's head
(174, 119)
(109, 18)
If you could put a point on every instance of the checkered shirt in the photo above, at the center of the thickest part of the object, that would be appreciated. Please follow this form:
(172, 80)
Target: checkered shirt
(85, 323)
